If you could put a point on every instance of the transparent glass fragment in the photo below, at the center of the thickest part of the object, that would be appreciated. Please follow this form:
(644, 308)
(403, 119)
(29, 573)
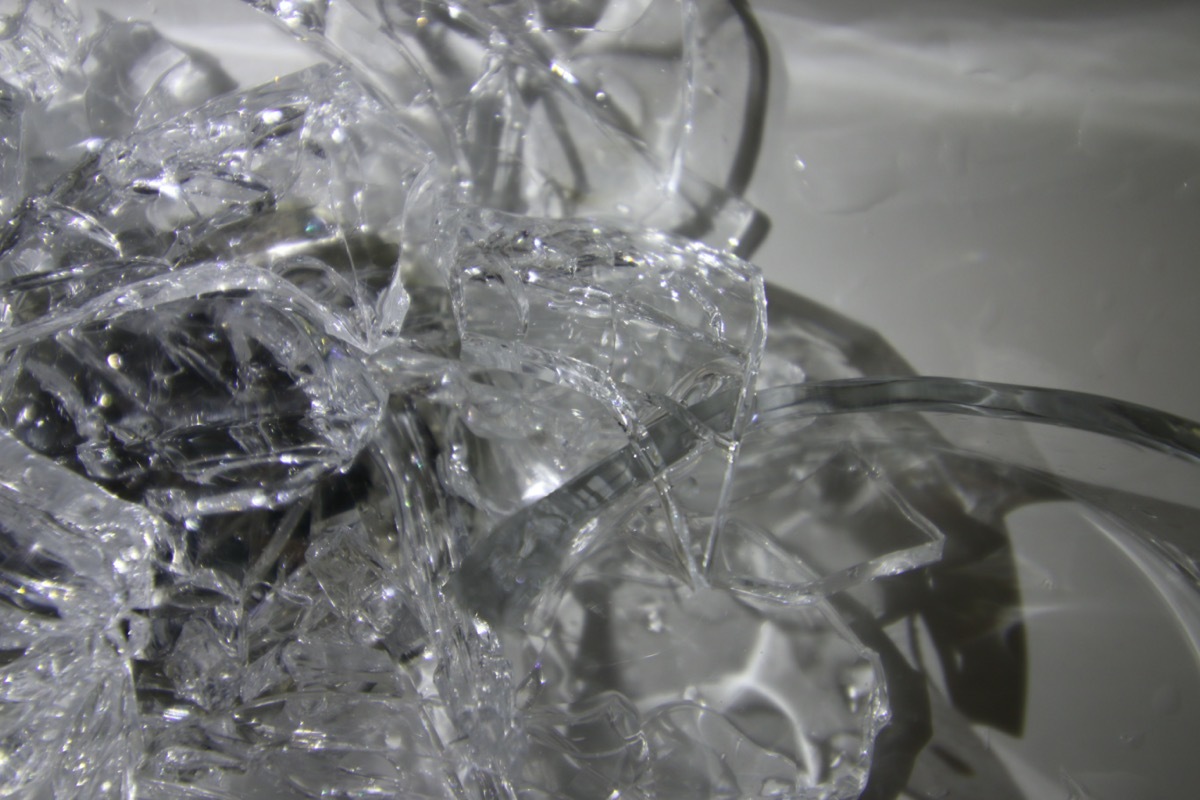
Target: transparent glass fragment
(76, 575)
(105, 77)
(643, 684)
(602, 298)
(644, 324)
(281, 175)
(345, 417)
(136, 77)
(818, 505)
(192, 406)
(294, 651)
(495, 87)
(38, 41)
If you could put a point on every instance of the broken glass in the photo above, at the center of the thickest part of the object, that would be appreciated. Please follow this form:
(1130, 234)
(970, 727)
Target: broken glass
(390, 428)
(593, 109)
(286, 366)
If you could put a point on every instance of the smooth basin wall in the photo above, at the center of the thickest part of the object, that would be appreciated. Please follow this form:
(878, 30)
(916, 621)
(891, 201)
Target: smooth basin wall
(1007, 191)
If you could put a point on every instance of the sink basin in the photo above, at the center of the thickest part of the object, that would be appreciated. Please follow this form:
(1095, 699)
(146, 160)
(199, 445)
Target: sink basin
(1004, 191)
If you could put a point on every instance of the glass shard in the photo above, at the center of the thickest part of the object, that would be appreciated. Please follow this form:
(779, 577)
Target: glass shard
(538, 114)
(76, 576)
(371, 431)
(644, 325)
(625, 690)
(38, 41)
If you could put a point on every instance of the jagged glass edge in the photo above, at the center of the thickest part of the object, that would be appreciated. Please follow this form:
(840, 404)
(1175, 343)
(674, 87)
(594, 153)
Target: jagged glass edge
(706, 201)
(609, 482)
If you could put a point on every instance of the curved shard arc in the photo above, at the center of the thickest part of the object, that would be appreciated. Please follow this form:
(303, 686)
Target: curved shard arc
(1156, 430)
(502, 576)
(519, 557)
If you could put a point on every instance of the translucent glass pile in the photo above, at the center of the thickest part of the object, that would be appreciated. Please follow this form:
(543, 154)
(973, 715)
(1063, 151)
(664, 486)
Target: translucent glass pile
(374, 432)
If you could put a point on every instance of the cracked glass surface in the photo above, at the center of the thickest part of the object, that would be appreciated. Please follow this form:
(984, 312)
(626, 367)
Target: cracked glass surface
(406, 425)
(302, 348)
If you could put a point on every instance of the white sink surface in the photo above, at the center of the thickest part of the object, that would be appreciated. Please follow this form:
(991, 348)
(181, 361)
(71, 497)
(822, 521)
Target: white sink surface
(1003, 192)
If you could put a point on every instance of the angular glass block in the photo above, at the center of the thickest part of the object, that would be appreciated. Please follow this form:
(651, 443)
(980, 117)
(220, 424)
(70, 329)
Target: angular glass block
(494, 87)
(642, 683)
(595, 295)
(641, 325)
(76, 575)
(38, 40)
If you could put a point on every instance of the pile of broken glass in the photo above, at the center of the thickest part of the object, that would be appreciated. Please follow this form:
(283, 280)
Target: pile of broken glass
(389, 428)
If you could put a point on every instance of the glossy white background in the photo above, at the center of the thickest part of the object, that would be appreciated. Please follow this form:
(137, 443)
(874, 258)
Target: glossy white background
(1006, 191)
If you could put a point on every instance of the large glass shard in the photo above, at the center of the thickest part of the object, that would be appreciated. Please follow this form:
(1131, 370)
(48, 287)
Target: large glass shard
(307, 177)
(38, 40)
(606, 300)
(493, 85)
(76, 575)
(93, 544)
(653, 69)
(628, 691)
(193, 406)
(817, 506)
(643, 324)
